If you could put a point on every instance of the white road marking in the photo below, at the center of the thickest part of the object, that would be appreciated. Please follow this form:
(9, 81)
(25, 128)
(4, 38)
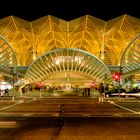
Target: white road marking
(10, 106)
(16, 104)
(135, 112)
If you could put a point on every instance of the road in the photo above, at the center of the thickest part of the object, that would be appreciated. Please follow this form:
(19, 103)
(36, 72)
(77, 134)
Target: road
(73, 107)
(84, 119)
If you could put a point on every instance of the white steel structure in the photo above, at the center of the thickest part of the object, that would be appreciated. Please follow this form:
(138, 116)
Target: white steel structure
(8, 59)
(67, 65)
(130, 61)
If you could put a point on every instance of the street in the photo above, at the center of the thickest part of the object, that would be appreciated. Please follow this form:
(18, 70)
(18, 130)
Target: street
(83, 118)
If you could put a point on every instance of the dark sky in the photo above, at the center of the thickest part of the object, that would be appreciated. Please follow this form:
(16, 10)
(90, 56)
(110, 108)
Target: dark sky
(70, 9)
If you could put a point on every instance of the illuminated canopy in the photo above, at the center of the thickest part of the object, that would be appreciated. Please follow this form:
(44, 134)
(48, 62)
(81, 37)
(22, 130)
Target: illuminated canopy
(7, 58)
(68, 65)
(130, 60)
(105, 39)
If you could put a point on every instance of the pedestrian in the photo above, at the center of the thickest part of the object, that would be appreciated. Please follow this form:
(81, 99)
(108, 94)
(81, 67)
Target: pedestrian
(88, 91)
(60, 117)
(85, 91)
(101, 93)
(6, 92)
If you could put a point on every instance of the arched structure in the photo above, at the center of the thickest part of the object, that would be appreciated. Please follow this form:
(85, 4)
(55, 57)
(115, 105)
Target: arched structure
(66, 65)
(105, 39)
(8, 59)
(130, 61)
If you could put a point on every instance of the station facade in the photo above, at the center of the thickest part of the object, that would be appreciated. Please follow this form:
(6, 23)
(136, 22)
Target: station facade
(52, 49)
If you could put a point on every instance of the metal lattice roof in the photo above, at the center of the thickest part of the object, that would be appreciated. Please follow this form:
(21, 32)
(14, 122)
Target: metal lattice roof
(105, 39)
(130, 60)
(7, 58)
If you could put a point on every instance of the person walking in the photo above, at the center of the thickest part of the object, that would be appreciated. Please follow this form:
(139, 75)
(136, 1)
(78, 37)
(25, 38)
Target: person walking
(7, 92)
(88, 91)
(60, 117)
(101, 93)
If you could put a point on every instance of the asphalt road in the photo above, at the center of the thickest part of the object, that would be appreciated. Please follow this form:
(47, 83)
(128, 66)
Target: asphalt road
(82, 119)
(73, 107)
(74, 128)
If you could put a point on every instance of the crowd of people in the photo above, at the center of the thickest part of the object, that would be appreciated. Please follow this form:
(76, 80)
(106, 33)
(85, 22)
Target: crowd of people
(100, 89)
(86, 92)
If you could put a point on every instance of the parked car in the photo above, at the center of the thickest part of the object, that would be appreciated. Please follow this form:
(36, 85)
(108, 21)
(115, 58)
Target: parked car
(123, 93)
(115, 92)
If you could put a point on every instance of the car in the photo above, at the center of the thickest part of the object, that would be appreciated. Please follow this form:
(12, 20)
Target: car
(123, 93)
(115, 92)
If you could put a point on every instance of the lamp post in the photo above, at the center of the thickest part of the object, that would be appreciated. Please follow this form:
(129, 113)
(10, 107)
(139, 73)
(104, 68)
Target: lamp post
(102, 45)
(40, 92)
(120, 72)
(14, 73)
(40, 85)
(105, 81)
(103, 34)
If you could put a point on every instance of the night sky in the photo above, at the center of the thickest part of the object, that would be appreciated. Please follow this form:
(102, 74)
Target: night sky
(68, 9)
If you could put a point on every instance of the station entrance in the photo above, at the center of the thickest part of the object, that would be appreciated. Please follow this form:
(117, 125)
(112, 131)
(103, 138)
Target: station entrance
(67, 69)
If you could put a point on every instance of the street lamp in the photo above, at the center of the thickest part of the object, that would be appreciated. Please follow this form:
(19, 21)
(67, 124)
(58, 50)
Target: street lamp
(40, 85)
(120, 72)
(14, 74)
